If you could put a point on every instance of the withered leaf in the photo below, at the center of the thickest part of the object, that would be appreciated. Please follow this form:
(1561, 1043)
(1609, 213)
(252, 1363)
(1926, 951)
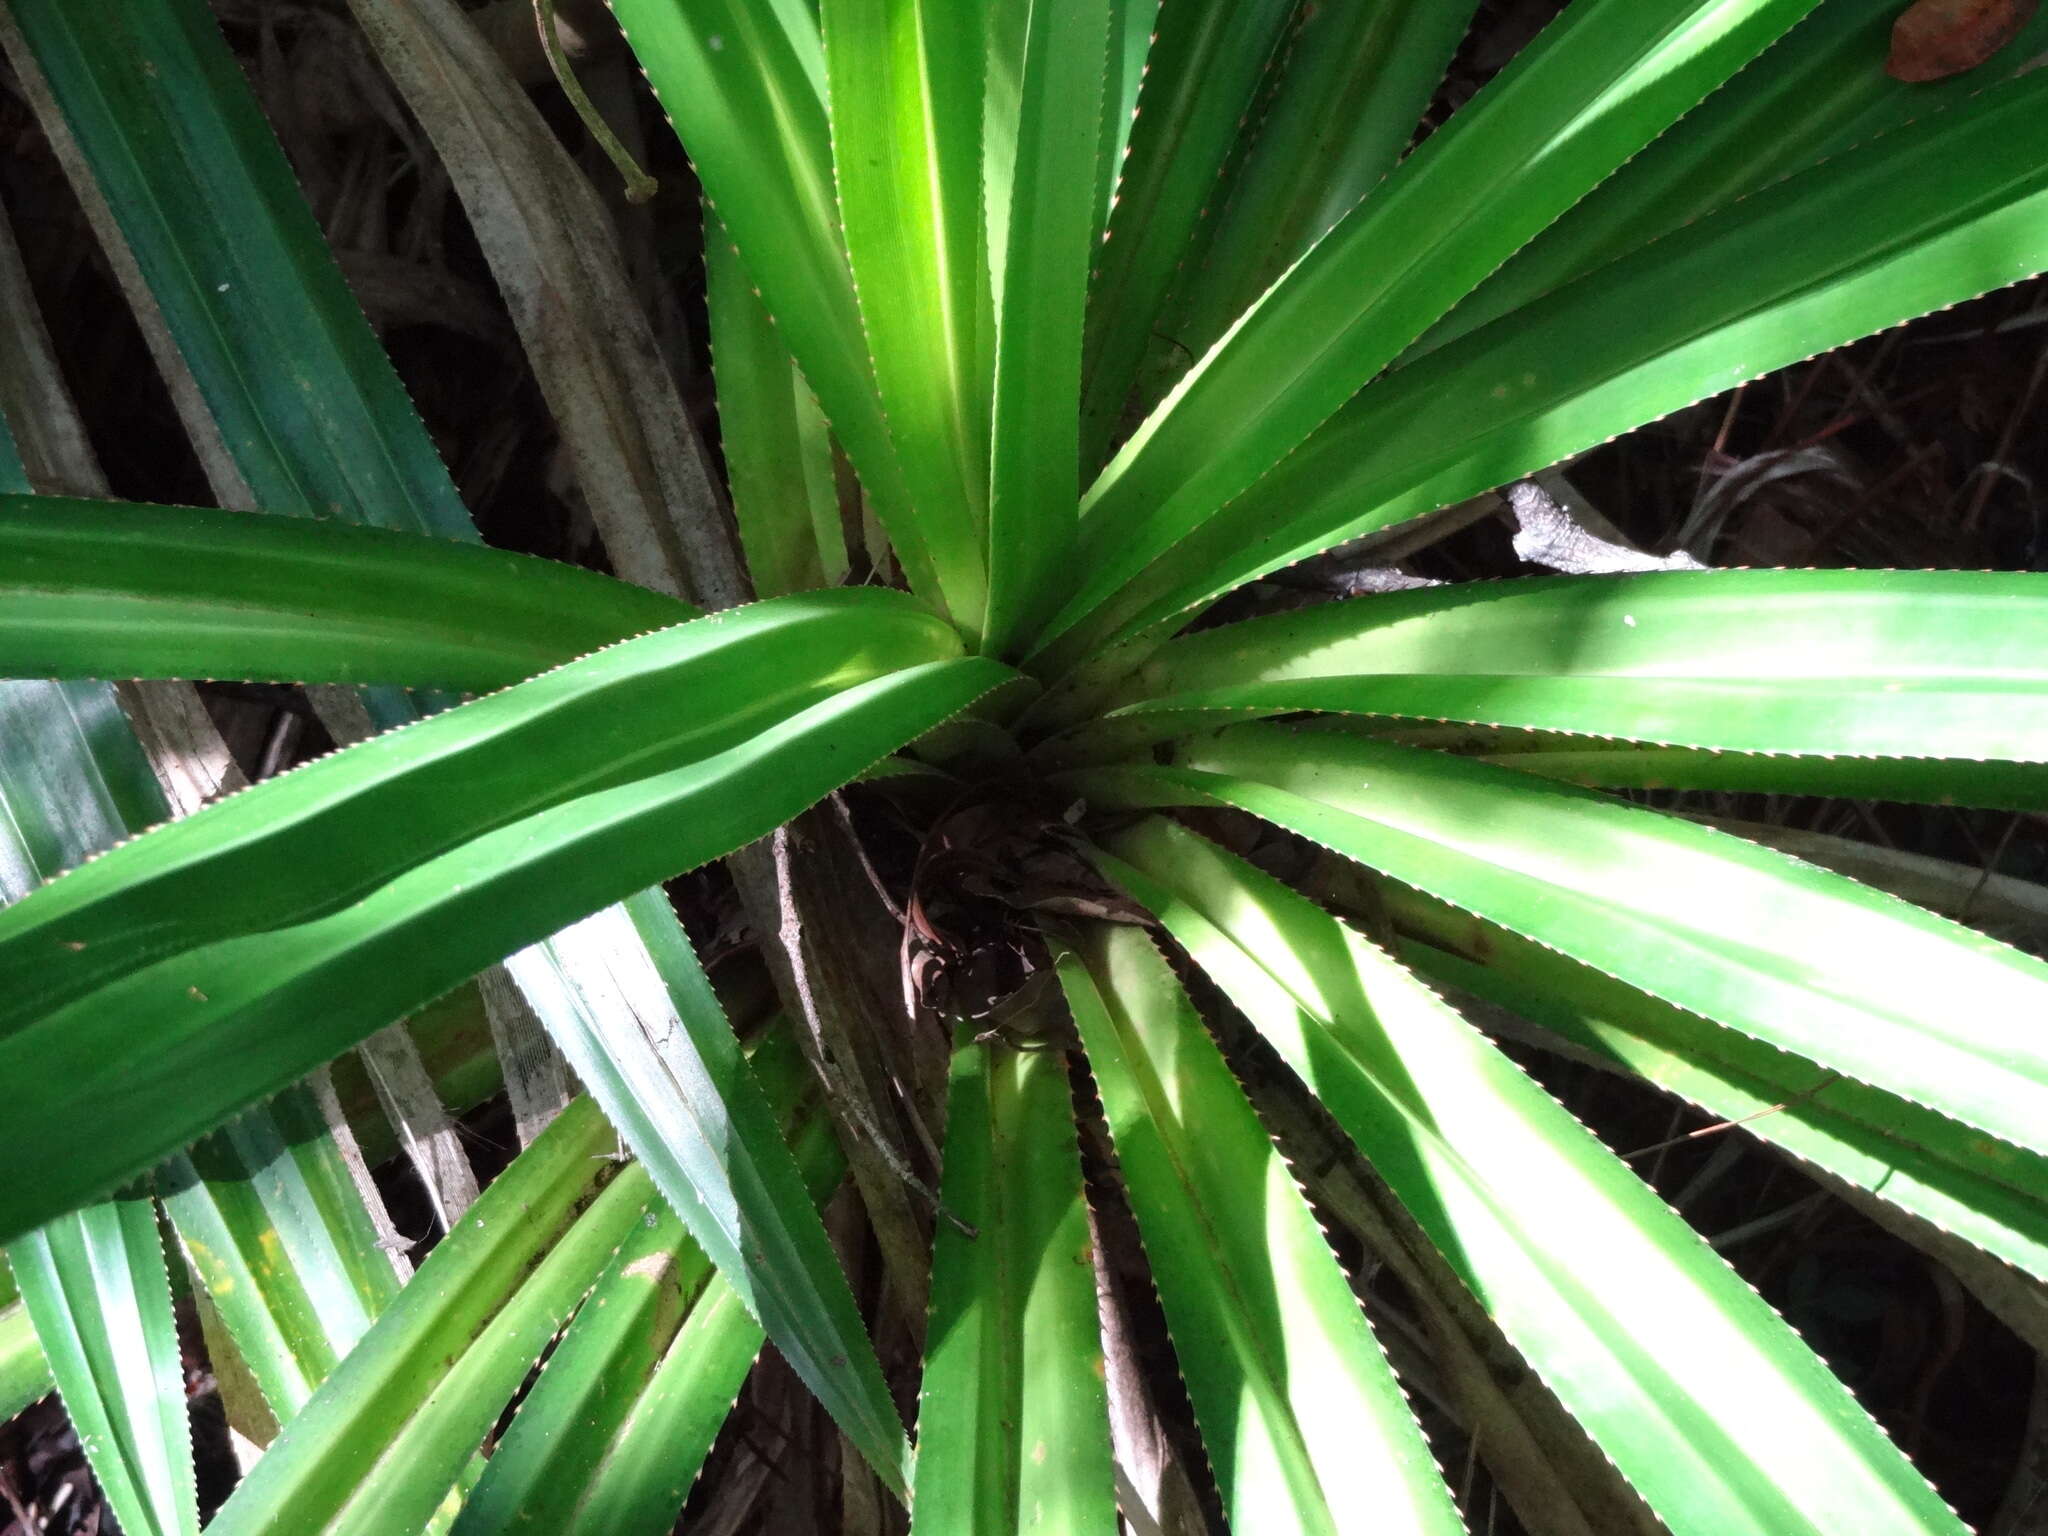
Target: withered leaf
(1938, 38)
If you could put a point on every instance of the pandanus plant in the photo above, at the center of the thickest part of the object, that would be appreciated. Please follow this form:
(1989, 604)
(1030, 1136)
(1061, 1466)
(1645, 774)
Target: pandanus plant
(1039, 327)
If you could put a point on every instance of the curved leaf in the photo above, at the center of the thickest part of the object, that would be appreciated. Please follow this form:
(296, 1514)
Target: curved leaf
(114, 589)
(234, 1015)
(1988, 1192)
(1709, 1405)
(1790, 954)
(1820, 90)
(1305, 1426)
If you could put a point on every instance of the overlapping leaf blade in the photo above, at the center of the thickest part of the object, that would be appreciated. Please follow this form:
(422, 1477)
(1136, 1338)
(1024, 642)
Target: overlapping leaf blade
(113, 589)
(1941, 210)
(616, 1429)
(778, 450)
(1605, 79)
(1013, 1426)
(309, 411)
(95, 1287)
(1702, 920)
(1355, 82)
(744, 82)
(1047, 228)
(1306, 1429)
(1820, 90)
(387, 1436)
(904, 86)
(1199, 80)
(277, 1234)
(1710, 1406)
(1987, 1192)
(671, 1075)
(1819, 663)
(332, 941)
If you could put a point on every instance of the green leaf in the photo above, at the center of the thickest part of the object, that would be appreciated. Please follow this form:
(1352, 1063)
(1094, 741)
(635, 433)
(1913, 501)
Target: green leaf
(1795, 956)
(115, 589)
(1601, 82)
(1826, 663)
(1013, 1422)
(744, 83)
(248, 987)
(1824, 88)
(1357, 79)
(24, 1370)
(309, 411)
(365, 815)
(1936, 212)
(96, 1289)
(778, 449)
(1199, 78)
(904, 88)
(278, 1236)
(1927, 780)
(670, 1074)
(1048, 228)
(1305, 1426)
(618, 1425)
(1706, 1401)
(1988, 1192)
(384, 1439)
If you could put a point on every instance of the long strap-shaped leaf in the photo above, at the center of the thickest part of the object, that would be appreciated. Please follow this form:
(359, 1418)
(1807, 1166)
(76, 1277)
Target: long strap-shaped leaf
(1048, 227)
(1304, 1423)
(1200, 78)
(114, 589)
(905, 88)
(1707, 1402)
(93, 1282)
(1822, 89)
(277, 1234)
(1834, 663)
(1988, 1192)
(744, 83)
(637, 709)
(1936, 212)
(97, 1291)
(1927, 780)
(307, 405)
(1794, 955)
(24, 1368)
(1604, 80)
(778, 449)
(665, 1065)
(387, 1435)
(239, 1016)
(1013, 1425)
(615, 1431)
(1357, 79)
